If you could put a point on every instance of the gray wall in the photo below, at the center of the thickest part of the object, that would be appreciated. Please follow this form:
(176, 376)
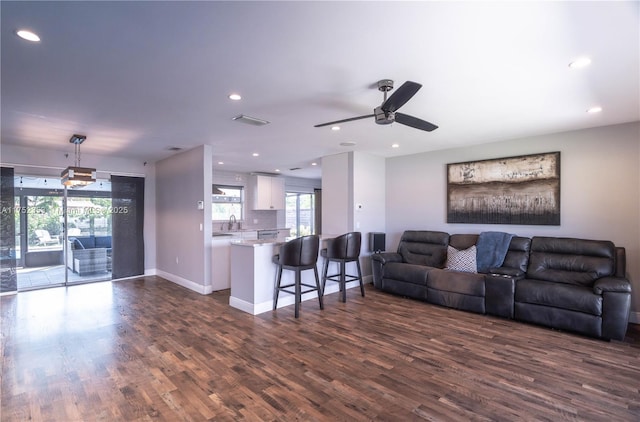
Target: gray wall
(183, 232)
(600, 189)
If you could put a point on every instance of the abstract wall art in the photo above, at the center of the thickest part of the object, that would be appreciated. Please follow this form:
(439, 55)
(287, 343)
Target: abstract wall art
(513, 190)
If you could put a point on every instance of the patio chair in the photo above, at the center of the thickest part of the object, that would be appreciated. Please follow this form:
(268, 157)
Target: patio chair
(45, 239)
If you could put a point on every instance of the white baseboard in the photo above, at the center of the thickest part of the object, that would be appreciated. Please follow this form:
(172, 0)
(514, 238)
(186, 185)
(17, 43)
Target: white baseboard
(191, 285)
(634, 317)
(287, 300)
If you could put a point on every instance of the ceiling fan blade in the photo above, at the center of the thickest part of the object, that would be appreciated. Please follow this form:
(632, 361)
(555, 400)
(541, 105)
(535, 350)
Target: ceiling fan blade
(414, 122)
(344, 120)
(401, 96)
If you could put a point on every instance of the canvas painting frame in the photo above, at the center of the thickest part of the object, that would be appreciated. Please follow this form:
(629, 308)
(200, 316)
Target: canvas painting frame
(522, 190)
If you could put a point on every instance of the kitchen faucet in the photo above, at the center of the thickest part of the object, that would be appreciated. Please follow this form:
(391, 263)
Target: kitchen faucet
(232, 221)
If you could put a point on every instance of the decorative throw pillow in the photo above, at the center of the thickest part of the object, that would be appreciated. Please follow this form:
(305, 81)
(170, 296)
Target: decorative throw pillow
(464, 261)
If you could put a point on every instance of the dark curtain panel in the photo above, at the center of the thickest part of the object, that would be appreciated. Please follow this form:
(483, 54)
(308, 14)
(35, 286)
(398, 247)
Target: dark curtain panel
(8, 278)
(318, 210)
(127, 200)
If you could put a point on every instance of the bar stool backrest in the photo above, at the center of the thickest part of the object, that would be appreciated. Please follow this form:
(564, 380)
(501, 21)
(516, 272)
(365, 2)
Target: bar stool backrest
(300, 252)
(346, 246)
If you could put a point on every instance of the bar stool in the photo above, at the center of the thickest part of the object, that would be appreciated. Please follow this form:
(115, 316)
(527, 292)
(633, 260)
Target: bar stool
(297, 255)
(342, 249)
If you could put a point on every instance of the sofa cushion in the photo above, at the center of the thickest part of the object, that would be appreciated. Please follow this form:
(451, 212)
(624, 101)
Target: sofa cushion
(572, 261)
(464, 260)
(424, 247)
(518, 254)
(463, 241)
(558, 295)
(411, 273)
(103, 242)
(457, 282)
(87, 242)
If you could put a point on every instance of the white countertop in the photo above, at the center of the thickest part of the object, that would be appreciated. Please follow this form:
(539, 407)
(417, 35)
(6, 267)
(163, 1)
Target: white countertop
(252, 243)
(262, 242)
(232, 232)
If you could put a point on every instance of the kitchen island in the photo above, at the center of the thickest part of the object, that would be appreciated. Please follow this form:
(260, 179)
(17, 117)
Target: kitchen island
(253, 276)
(221, 252)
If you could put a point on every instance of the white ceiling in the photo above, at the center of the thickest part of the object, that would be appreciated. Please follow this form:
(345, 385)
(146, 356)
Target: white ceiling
(140, 77)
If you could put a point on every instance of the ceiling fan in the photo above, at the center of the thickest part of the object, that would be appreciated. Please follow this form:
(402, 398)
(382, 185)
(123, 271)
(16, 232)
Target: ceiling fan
(387, 112)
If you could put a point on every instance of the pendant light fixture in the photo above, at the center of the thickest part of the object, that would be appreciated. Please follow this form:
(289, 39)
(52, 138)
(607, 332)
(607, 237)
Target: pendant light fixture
(76, 175)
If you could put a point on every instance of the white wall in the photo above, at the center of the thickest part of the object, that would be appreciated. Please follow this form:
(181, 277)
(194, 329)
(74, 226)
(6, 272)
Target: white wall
(183, 230)
(353, 197)
(600, 189)
(337, 193)
(50, 163)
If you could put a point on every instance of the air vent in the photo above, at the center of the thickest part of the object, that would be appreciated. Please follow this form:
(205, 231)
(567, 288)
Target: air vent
(263, 173)
(174, 149)
(254, 121)
(294, 168)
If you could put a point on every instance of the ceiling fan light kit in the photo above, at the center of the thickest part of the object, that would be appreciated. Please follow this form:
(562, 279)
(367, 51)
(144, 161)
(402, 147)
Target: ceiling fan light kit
(386, 113)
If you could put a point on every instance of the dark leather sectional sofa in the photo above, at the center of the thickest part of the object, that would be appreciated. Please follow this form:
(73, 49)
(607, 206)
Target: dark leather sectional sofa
(570, 284)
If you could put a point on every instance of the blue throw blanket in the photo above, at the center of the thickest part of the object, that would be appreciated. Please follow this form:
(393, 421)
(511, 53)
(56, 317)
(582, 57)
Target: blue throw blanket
(491, 249)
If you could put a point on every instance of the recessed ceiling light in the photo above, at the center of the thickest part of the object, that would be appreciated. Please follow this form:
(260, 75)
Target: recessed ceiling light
(395, 146)
(278, 170)
(334, 128)
(235, 97)
(28, 35)
(580, 63)
(221, 162)
(596, 109)
(255, 154)
(314, 164)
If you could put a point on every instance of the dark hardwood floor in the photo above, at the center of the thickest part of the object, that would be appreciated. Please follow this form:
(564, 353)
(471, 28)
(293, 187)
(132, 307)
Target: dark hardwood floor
(149, 350)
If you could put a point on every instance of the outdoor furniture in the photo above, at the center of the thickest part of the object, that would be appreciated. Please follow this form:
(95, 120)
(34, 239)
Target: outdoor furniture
(45, 239)
(89, 254)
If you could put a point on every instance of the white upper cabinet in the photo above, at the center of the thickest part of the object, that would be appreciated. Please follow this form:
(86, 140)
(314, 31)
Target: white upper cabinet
(268, 192)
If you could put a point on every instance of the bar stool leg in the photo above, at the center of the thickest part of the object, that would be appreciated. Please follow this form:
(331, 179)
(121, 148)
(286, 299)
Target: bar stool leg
(343, 281)
(360, 277)
(298, 293)
(320, 292)
(325, 269)
(276, 288)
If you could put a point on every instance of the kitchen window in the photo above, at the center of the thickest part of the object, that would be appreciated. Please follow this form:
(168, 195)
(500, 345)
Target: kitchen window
(227, 201)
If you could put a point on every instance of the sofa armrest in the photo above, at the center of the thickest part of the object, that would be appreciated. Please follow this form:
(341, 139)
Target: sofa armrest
(507, 271)
(616, 304)
(378, 260)
(386, 257)
(611, 284)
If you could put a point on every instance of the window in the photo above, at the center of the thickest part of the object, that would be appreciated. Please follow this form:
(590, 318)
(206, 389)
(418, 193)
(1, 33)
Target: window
(300, 213)
(227, 201)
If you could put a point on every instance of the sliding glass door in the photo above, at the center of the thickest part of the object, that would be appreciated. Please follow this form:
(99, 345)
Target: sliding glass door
(46, 256)
(55, 236)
